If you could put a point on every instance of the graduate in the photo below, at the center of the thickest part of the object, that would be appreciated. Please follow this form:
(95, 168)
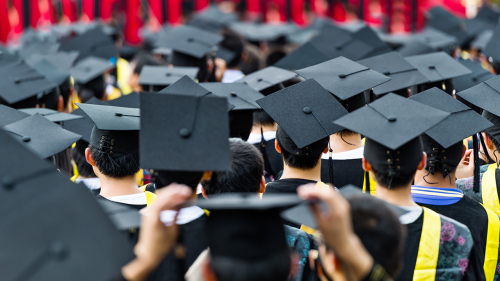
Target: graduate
(303, 132)
(436, 246)
(435, 186)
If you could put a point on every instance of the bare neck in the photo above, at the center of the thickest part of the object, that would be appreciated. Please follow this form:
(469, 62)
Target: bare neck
(313, 174)
(400, 196)
(350, 142)
(435, 180)
(265, 128)
(118, 186)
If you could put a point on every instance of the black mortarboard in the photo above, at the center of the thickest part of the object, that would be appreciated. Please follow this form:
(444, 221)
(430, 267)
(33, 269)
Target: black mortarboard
(240, 95)
(6, 57)
(415, 47)
(10, 115)
(84, 125)
(53, 73)
(51, 115)
(89, 68)
(266, 78)
(393, 65)
(225, 54)
(448, 23)
(131, 101)
(486, 18)
(164, 75)
(41, 136)
(485, 95)
(478, 75)
(91, 43)
(438, 66)
(305, 111)
(462, 123)
(437, 40)
(302, 57)
(482, 39)
(236, 220)
(45, 48)
(257, 32)
(189, 40)
(368, 35)
(213, 19)
(116, 128)
(492, 48)
(19, 81)
(63, 60)
(343, 77)
(122, 216)
(184, 133)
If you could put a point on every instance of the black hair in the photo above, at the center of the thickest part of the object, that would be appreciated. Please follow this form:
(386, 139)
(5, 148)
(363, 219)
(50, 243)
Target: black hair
(379, 230)
(62, 90)
(123, 166)
(26, 103)
(274, 267)
(303, 162)
(83, 167)
(233, 42)
(395, 182)
(262, 118)
(143, 61)
(165, 178)
(247, 169)
(94, 88)
(62, 161)
(275, 56)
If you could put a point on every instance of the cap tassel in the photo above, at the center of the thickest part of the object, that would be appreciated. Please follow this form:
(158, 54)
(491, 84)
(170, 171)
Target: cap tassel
(26, 79)
(330, 163)
(263, 150)
(186, 132)
(475, 145)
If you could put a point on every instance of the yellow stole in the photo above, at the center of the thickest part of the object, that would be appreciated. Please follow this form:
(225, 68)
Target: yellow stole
(489, 190)
(492, 239)
(428, 249)
(372, 184)
(150, 197)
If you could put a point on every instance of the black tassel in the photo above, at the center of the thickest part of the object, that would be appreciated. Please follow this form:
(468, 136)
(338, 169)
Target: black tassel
(475, 144)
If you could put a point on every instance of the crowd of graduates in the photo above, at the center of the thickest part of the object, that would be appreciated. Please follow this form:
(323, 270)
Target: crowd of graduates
(230, 150)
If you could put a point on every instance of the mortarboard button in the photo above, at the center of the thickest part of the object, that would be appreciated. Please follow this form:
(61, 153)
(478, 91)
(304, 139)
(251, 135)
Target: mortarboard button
(307, 110)
(342, 75)
(392, 118)
(185, 133)
(387, 72)
(58, 250)
(432, 67)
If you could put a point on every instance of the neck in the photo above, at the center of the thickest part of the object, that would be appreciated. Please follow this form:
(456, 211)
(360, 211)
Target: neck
(350, 142)
(435, 180)
(118, 186)
(265, 128)
(313, 174)
(400, 196)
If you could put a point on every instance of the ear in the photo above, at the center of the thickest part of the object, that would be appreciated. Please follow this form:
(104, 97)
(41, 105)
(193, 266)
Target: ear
(88, 157)
(488, 142)
(207, 175)
(203, 192)
(262, 185)
(366, 166)
(326, 150)
(277, 146)
(423, 162)
(208, 273)
(60, 104)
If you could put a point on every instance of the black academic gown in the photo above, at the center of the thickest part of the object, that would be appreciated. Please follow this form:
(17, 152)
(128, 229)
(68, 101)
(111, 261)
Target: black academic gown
(273, 161)
(345, 172)
(286, 185)
(193, 237)
(473, 215)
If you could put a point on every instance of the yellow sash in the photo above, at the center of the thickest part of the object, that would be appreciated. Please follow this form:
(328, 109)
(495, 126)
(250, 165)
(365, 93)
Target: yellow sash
(491, 254)
(428, 249)
(489, 190)
(150, 197)
(372, 184)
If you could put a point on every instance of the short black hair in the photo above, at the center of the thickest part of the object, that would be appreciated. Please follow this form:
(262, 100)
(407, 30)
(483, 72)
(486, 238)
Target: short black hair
(379, 230)
(261, 117)
(275, 56)
(234, 43)
(394, 182)
(274, 267)
(123, 166)
(303, 162)
(165, 178)
(247, 169)
(82, 166)
(143, 61)
(94, 88)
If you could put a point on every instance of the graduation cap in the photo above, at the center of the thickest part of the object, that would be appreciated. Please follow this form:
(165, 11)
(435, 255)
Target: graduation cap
(19, 81)
(45, 48)
(184, 133)
(213, 19)
(59, 230)
(6, 57)
(485, 95)
(63, 60)
(438, 66)
(53, 73)
(437, 40)
(448, 23)
(131, 101)
(84, 125)
(10, 115)
(491, 50)
(41, 136)
(122, 216)
(482, 39)
(236, 220)
(393, 65)
(266, 78)
(368, 35)
(93, 42)
(486, 18)
(478, 75)
(89, 68)
(305, 111)
(225, 54)
(345, 79)
(415, 47)
(115, 130)
(257, 32)
(302, 57)
(189, 40)
(164, 75)
(51, 115)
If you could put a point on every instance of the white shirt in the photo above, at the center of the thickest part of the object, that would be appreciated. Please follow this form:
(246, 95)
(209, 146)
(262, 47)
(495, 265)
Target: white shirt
(231, 75)
(410, 217)
(91, 183)
(132, 199)
(345, 155)
(255, 138)
(186, 215)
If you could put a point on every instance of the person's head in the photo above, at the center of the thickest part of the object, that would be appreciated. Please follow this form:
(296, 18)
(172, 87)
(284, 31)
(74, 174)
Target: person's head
(234, 43)
(491, 135)
(394, 169)
(246, 174)
(380, 231)
(94, 88)
(142, 61)
(78, 155)
(58, 98)
(306, 158)
(261, 118)
(274, 56)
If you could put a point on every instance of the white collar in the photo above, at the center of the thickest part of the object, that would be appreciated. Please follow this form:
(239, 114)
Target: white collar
(346, 155)
(256, 138)
(231, 75)
(131, 199)
(410, 217)
(186, 215)
(91, 183)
